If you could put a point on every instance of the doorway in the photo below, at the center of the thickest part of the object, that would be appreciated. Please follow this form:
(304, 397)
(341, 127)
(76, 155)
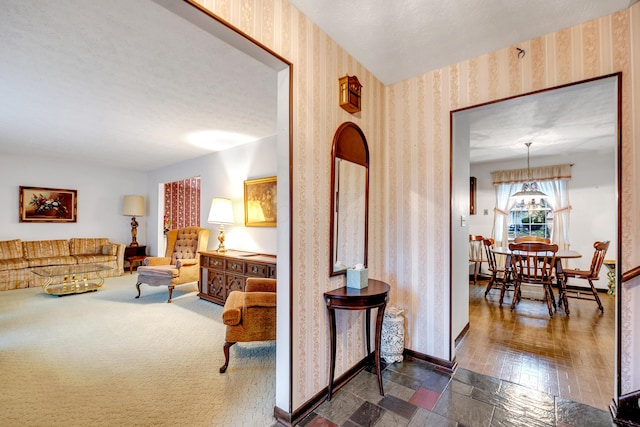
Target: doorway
(474, 138)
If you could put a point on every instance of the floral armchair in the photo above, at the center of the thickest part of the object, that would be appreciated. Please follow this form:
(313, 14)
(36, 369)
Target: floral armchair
(181, 263)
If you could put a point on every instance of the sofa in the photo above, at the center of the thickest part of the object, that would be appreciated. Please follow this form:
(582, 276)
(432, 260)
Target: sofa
(18, 258)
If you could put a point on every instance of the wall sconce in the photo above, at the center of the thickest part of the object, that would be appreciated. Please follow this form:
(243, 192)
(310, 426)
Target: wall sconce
(133, 206)
(350, 89)
(221, 212)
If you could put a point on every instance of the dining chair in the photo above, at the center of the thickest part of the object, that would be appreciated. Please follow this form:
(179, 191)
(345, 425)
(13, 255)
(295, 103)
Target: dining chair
(591, 274)
(533, 264)
(475, 255)
(500, 276)
(524, 239)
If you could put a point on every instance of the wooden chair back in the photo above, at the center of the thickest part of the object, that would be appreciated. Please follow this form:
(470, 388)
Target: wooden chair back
(598, 258)
(524, 239)
(475, 248)
(533, 262)
(491, 256)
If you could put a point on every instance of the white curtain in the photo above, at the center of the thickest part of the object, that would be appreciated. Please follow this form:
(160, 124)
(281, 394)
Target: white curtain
(504, 203)
(552, 180)
(559, 201)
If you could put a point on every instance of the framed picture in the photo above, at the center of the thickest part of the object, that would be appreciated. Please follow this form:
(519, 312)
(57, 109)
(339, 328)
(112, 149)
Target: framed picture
(38, 204)
(260, 202)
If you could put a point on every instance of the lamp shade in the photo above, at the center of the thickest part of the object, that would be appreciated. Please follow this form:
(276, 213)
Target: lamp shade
(221, 211)
(133, 206)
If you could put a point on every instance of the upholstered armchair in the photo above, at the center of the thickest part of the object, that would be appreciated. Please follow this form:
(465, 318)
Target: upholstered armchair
(250, 315)
(181, 263)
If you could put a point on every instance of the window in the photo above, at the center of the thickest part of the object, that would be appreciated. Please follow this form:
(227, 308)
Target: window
(530, 218)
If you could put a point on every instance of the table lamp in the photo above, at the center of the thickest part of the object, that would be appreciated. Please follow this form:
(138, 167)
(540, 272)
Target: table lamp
(221, 213)
(133, 206)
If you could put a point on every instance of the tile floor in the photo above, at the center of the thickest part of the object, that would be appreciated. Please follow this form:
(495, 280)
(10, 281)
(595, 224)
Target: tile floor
(518, 368)
(417, 394)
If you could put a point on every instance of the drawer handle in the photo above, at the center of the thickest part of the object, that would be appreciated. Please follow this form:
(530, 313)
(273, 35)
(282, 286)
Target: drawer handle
(234, 265)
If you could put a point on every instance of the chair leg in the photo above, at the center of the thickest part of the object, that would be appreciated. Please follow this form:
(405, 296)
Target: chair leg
(595, 295)
(475, 271)
(138, 288)
(170, 293)
(516, 296)
(563, 299)
(549, 296)
(226, 347)
(491, 282)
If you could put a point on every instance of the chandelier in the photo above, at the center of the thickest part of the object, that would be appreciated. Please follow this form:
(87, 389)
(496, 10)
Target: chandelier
(529, 190)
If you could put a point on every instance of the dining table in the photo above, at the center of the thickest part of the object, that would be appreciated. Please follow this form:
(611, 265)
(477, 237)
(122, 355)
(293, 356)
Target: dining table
(561, 281)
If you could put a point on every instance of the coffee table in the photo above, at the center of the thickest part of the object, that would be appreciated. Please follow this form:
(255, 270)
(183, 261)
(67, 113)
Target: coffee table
(71, 279)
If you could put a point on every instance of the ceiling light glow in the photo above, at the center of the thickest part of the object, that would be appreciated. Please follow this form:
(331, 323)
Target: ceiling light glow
(216, 140)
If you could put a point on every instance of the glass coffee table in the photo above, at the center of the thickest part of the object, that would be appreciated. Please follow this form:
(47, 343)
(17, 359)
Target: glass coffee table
(71, 279)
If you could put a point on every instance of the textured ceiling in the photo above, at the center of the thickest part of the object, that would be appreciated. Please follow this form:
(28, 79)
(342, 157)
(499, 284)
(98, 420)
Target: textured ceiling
(132, 84)
(577, 118)
(126, 85)
(399, 39)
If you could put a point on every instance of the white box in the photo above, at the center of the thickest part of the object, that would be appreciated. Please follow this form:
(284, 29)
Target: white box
(357, 279)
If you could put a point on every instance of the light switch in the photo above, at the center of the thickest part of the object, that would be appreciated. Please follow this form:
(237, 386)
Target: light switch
(463, 220)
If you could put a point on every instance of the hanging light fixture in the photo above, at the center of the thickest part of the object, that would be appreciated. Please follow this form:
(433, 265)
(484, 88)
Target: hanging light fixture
(529, 191)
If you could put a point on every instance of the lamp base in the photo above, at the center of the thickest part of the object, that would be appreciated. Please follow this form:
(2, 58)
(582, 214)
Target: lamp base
(221, 248)
(134, 232)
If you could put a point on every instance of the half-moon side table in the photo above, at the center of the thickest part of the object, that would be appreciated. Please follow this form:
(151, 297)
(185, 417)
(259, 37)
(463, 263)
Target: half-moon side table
(375, 295)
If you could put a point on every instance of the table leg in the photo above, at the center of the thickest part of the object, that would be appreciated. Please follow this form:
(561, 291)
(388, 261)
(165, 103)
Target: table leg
(367, 323)
(562, 287)
(332, 339)
(379, 319)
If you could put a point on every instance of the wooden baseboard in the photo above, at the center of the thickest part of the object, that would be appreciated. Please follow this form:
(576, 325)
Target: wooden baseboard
(462, 334)
(627, 411)
(293, 418)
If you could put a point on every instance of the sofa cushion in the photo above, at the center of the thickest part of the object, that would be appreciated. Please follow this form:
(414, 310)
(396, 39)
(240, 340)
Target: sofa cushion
(10, 249)
(94, 259)
(13, 264)
(51, 260)
(46, 248)
(87, 246)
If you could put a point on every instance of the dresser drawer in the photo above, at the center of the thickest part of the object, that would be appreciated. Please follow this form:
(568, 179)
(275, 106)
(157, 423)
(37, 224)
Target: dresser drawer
(212, 262)
(235, 266)
(223, 273)
(255, 269)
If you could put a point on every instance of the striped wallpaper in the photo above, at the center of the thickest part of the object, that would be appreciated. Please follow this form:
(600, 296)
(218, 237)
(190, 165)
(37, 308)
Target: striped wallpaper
(407, 127)
(182, 203)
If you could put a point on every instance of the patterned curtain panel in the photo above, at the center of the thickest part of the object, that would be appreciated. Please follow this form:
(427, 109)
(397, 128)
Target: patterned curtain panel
(182, 204)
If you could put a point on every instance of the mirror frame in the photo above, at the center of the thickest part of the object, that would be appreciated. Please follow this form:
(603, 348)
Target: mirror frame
(349, 143)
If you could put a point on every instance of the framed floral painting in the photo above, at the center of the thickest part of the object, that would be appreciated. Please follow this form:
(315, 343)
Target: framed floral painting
(260, 206)
(39, 204)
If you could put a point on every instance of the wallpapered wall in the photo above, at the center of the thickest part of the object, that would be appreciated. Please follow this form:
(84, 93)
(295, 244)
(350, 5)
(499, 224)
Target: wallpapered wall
(407, 127)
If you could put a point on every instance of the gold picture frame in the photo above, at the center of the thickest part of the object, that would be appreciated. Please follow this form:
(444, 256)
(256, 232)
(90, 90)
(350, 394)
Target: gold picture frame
(260, 202)
(39, 204)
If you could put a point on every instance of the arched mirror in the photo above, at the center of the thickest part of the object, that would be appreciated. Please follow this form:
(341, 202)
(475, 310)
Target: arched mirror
(349, 198)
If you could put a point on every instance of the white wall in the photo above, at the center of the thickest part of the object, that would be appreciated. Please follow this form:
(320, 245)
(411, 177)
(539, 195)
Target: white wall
(592, 194)
(459, 226)
(222, 174)
(100, 194)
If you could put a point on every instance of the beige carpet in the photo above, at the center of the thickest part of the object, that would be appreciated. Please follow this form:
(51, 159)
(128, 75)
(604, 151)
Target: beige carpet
(107, 359)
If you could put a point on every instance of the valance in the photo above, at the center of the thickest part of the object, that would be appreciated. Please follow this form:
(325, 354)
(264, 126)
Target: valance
(543, 173)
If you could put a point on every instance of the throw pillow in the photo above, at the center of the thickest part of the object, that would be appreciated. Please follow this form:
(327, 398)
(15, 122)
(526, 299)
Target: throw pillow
(109, 250)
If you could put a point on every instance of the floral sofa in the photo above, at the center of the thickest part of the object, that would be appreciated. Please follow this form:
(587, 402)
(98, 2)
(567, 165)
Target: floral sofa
(17, 258)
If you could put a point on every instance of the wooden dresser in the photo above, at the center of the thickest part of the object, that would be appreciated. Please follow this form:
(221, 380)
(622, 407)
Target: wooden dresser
(222, 273)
